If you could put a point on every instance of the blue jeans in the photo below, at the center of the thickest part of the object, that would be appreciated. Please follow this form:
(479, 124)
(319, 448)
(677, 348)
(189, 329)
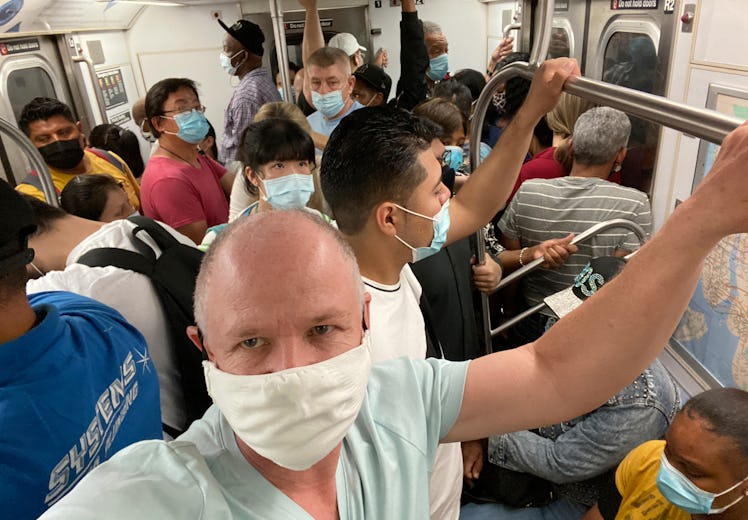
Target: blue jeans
(561, 509)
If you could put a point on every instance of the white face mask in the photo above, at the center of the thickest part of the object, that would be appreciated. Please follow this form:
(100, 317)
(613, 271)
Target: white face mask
(297, 416)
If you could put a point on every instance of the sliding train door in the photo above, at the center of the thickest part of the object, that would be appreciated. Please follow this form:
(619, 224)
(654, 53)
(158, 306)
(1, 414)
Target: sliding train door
(29, 67)
(630, 44)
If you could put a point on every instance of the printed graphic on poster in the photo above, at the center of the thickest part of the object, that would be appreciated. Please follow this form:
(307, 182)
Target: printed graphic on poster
(112, 88)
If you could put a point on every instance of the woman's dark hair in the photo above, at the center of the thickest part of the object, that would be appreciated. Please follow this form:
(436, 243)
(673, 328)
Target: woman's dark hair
(516, 88)
(454, 91)
(274, 140)
(86, 195)
(214, 146)
(120, 141)
(473, 80)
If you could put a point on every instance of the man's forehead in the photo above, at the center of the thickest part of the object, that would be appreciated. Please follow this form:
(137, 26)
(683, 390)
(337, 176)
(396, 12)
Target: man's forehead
(229, 42)
(183, 95)
(336, 70)
(53, 124)
(294, 259)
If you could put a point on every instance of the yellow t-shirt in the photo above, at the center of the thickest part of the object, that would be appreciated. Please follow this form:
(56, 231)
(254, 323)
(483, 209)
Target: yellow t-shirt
(97, 165)
(636, 479)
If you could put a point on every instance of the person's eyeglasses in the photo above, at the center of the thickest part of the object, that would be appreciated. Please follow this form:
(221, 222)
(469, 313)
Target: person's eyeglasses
(444, 159)
(185, 110)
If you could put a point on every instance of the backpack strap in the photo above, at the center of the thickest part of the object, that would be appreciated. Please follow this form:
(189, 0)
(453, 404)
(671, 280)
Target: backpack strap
(32, 179)
(109, 157)
(164, 240)
(121, 258)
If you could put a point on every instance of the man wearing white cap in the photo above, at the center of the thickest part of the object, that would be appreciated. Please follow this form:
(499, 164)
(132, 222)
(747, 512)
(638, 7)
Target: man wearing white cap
(348, 43)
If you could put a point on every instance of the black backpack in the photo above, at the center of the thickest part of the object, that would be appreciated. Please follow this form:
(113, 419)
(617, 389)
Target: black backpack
(173, 277)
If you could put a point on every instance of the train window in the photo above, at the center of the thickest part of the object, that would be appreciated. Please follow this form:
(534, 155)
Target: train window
(630, 60)
(26, 84)
(560, 46)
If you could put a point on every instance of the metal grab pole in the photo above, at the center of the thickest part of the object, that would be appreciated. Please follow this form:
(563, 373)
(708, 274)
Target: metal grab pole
(532, 310)
(281, 51)
(511, 27)
(542, 40)
(48, 187)
(581, 237)
(94, 84)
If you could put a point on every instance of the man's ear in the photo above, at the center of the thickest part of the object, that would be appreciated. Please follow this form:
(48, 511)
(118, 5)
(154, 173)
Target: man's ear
(194, 334)
(387, 217)
(381, 100)
(83, 138)
(621, 155)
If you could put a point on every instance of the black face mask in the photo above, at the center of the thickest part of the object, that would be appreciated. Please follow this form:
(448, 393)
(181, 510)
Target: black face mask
(448, 178)
(63, 155)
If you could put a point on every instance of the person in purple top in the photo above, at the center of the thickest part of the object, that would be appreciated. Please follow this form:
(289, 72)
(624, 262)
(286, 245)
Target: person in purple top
(242, 57)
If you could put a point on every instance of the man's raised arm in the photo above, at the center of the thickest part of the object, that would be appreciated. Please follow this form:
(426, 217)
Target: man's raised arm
(605, 343)
(483, 195)
(313, 38)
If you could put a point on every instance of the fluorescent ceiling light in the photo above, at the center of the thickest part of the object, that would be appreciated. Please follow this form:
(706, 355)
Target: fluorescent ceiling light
(144, 2)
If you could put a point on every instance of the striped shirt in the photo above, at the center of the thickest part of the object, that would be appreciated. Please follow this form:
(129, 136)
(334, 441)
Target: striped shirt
(552, 208)
(255, 89)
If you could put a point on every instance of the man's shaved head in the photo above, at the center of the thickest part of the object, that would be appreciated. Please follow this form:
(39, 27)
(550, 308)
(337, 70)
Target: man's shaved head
(286, 246)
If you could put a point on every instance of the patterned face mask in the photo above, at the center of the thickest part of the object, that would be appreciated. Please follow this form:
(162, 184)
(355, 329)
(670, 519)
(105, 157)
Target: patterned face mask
(499, 100)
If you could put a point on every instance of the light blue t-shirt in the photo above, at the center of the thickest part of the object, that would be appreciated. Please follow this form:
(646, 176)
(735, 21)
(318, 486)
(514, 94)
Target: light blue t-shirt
(325, 127)
(383, 470)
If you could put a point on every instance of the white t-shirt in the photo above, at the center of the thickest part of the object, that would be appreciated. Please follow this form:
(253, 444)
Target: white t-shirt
(397, 330)
(133, 296)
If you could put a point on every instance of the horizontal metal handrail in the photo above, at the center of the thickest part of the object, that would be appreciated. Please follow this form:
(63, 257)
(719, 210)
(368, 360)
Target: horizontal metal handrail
(511, 322)
(37, 162)
(580, 238)
(699, 122)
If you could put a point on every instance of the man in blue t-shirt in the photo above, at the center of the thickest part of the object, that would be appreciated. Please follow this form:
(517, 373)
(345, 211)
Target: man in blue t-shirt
(330, 76)
(76, 384)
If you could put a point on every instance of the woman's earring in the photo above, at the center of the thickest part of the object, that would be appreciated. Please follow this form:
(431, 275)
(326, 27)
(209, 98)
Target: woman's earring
(617, 167)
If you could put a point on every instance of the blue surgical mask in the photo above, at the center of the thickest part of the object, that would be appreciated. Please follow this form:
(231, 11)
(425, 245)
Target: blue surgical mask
(283, 95)
(438, 67)
(680, 491)
(193, 127)
(455, 158)
(483, 151)
(226, 63)
(291, 191)
(441, 227)
(329, 104)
